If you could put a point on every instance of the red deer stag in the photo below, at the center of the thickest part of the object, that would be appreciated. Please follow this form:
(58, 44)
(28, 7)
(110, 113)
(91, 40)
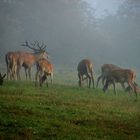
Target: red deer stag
(2, 79)
(15, 60)
(85, 67)
(121, 76)
(27, 60)
(105, 70)
(44, 69)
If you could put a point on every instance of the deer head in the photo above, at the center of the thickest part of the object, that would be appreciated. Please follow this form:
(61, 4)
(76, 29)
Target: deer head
(2, 78)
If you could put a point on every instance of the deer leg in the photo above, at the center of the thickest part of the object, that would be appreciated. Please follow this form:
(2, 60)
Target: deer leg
(106, 86)
(89, 77)
(18, 72)
(99, 78)
(134, 88)
(92, 79)
(103, 80)
(47, 81)
(89, 82)
(26, 72)
(85, 78)
(13, 71)
(42, 78)
(114, 87)
(80, 79)
(9, 77)
(51, 76)
(8, 72)
(36, 77)
(29, 73)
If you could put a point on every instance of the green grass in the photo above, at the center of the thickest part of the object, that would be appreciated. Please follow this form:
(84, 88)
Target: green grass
(62, 112)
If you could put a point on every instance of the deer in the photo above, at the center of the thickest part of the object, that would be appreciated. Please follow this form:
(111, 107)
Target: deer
(11, 59)
(2, 79)
(105, 70)
(121, 76)
(85, 68)
(44, 69)
(25, 59)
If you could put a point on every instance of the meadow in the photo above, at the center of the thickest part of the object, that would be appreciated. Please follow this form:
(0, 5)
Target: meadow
(66, 112)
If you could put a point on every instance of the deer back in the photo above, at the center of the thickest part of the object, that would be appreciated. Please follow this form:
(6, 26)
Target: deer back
(45, 66)
(29, 59)
(122, 75)
(106, 68)
(85, 66)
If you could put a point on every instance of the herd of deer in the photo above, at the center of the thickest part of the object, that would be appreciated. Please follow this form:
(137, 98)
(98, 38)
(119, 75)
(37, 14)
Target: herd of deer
(110, 74)
(16, 60)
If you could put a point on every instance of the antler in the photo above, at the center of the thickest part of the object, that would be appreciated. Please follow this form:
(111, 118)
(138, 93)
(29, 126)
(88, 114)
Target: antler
(41, 47)
(31, 45)
(36, 47)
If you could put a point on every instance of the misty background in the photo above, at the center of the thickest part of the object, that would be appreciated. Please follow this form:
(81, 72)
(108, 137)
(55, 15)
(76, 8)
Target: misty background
(103, 31)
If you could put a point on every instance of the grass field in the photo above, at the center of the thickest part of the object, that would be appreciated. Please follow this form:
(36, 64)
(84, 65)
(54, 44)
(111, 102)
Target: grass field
(66, 112)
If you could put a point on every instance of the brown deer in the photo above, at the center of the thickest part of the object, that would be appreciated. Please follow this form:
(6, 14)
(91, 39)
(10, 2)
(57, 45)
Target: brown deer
(27, 60)
(44, 69)
(121, 76)
(2, 79)
(16, 60)
(11, 59)
(105, 70)
(85, 68)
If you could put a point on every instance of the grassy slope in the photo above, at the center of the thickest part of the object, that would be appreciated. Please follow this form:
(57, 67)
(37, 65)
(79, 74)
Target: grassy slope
(66, 113)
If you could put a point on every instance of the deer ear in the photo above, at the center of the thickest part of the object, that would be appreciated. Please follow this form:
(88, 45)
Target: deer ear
(3, 76)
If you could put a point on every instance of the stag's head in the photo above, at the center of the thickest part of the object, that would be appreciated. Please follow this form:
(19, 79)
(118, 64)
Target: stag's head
(2, 79)
(43, 54)
(37, 48)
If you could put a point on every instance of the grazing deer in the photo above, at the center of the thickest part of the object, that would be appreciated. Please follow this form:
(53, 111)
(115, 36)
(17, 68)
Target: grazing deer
(44, 69)
(105, 70)
(85, 67)
(2, 79)
(121, 76)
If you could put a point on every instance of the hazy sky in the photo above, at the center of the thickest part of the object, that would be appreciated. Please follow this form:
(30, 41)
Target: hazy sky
(103, 6)
(71, 31)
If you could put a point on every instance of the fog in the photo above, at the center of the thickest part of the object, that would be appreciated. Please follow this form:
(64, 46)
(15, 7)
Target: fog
(103, 31)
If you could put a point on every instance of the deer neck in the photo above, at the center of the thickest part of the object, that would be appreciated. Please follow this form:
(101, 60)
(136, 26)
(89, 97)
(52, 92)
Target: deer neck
(38, 56)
